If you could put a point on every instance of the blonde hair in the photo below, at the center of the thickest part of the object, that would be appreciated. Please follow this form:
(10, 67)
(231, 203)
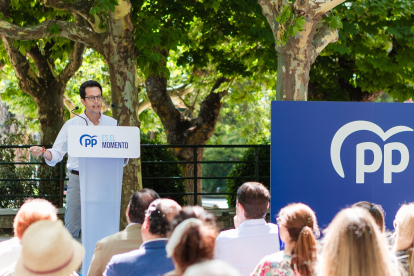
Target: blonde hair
(354, 245)
(404, 233)
(300, 222)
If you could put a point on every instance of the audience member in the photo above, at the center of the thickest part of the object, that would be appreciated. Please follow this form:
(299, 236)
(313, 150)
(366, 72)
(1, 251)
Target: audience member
(297, 225)
(253, 238)
(151, 258)
(192, 240)
(212, 268)
(375, 210)
(49, 249)
(126, 240)
(354, 245)
(404, 237)
(31, 211)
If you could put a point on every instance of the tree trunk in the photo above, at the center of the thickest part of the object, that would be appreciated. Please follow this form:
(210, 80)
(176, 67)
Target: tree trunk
(292, 77)
(125, 91)
(51, 112)
(187, 155)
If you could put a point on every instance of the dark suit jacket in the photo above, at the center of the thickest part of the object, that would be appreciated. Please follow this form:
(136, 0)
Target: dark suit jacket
(149, 260)
(124, 241)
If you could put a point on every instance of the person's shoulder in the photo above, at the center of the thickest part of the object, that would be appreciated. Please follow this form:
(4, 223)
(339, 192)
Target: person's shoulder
(128, 256)
(109, 119)
(228, 234)
(111, 238)
(272, 226)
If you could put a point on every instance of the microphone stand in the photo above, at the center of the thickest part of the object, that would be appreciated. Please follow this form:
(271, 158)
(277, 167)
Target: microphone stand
(76, 108)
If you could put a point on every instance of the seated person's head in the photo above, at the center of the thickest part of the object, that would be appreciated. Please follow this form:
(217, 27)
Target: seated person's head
(197, 212)
(158, 218)
(375, 210)
(193, 238)
(404, 228)
(49, 249)
(31, 211)
(252, 201)
(298, 226)
(354, 245)
(139, 203)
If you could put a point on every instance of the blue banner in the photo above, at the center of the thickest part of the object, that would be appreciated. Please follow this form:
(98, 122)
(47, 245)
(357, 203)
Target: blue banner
(330, 155)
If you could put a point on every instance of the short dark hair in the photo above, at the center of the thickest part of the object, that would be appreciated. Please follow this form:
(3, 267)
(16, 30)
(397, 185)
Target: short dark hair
(160, 215)
(139, 203)
(375, 210)
(88, 83)
(254, 197)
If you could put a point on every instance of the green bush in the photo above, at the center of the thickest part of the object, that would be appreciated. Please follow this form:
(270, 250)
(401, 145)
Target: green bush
(160, 170)
(247, 171)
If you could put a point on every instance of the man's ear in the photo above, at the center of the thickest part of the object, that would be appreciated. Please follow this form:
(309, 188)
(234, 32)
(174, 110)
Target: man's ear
(127, 211)
(268, 205)
(146, 223)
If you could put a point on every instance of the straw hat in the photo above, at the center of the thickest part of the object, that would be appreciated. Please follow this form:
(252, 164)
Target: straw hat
(48, 249)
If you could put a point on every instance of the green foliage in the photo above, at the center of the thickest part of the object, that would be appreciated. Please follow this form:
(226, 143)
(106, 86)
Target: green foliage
(55, 29)
(248, 171)
(17, 135)
(162, 170)
(103, 6)
(375, 52)
(289, 24)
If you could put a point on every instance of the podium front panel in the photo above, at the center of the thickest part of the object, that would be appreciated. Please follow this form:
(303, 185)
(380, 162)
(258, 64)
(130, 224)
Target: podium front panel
(101, 188)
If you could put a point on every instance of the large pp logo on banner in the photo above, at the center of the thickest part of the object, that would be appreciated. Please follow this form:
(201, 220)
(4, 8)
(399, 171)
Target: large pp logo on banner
(361, 166)
(331, 155)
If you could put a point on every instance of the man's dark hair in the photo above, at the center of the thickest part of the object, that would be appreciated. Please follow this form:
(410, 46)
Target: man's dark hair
(255, 198)
(375, 210)
(139, 203)
(88, 83)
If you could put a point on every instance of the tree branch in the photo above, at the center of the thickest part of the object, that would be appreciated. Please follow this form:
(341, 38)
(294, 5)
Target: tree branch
(28, 81)
(324, 6)
(271, 13)
(81, 7)
(42, 63)
(69, 30)
(75, 62)
(210, 107)
(161, 101)
(321, 39)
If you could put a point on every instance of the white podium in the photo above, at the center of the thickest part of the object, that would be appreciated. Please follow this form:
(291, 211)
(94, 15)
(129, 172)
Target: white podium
(101, 152)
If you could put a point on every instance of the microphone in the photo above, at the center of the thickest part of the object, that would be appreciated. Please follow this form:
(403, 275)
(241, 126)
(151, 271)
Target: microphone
(119, 115)
(76, 108)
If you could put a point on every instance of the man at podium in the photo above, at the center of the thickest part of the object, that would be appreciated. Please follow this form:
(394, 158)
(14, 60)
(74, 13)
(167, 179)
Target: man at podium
(91, 97)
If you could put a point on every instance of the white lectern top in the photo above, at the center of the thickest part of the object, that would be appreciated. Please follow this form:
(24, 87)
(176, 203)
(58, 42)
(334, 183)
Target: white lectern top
(104, 142)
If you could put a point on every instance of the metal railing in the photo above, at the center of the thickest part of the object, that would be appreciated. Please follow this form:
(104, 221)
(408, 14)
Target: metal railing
(62, 176)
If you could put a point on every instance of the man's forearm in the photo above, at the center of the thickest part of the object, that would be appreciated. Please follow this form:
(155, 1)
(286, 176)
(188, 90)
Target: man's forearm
(47, 155)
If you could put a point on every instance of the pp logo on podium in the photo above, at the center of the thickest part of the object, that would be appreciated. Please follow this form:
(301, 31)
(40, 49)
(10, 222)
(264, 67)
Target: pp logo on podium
(361, 167)
(88, 140)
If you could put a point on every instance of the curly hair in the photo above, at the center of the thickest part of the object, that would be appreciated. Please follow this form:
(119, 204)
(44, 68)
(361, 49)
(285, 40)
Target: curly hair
(160, 214)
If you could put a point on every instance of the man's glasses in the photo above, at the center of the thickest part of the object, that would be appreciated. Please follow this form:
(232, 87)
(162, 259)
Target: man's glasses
(93, 98)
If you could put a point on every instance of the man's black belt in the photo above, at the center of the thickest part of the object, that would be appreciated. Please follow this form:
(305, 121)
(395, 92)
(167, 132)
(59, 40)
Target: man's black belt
(74, 172)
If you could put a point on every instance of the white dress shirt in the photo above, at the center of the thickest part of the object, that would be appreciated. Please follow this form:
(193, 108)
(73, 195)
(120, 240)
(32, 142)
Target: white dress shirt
(10, 251)
(245, 246)
(60, 147)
